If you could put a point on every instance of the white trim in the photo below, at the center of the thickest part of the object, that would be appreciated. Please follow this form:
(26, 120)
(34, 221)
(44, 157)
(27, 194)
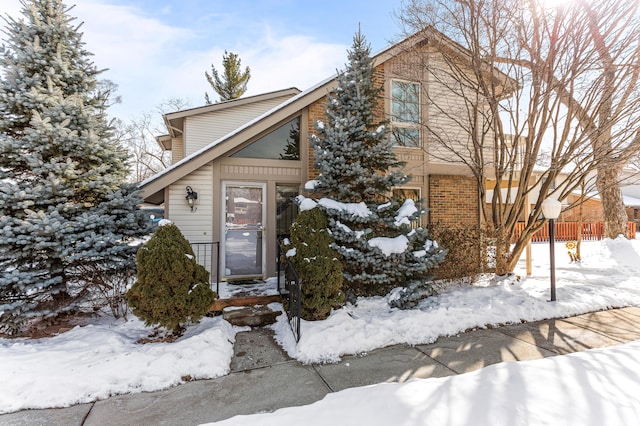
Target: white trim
(152, 179)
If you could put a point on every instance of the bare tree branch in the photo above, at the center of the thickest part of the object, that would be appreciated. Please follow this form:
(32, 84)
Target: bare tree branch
(568, 106)
(139, 137)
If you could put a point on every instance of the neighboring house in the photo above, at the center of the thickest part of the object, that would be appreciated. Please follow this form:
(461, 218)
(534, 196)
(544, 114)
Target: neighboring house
(247, 158)
(588, 206)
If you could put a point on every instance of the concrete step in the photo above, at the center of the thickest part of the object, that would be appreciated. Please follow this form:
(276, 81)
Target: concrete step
(252, 316)
(221, 304)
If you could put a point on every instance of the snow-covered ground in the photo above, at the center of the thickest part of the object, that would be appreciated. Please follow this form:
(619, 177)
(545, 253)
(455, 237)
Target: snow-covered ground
(608, 276)
(593, 388)
(102, 359)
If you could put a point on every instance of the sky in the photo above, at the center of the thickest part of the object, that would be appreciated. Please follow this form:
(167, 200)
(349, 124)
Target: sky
(155, 50)
(102, 359)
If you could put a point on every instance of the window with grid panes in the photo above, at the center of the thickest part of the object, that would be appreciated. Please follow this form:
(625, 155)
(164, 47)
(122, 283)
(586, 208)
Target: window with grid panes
(405, 113)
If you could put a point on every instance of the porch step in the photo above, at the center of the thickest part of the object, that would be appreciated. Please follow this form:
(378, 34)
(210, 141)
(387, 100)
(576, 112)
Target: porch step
(252, 316)
(220, 304)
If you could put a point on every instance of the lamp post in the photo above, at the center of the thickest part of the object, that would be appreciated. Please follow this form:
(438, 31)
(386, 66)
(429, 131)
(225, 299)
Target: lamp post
(551, 210)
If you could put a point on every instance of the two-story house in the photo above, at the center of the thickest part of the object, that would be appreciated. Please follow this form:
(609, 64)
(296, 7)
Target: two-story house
(247, 158)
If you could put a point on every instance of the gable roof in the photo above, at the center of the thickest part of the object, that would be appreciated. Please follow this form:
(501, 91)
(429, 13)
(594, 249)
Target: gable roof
(152, 187)
(175, 120)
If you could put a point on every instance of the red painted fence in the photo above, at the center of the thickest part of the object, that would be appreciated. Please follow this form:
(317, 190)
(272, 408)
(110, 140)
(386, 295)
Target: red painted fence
(565, 231)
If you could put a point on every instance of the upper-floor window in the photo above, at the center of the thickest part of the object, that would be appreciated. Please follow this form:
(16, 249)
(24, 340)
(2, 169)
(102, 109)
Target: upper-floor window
(281, 144)
(553, 182)
(405, 113)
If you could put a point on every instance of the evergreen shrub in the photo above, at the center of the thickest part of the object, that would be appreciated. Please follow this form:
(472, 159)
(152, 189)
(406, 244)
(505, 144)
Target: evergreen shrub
(465, 259)
(171, 288)
(317, 264)
(464, 250)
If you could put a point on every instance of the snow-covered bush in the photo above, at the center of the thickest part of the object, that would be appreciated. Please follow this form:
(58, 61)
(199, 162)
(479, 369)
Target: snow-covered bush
(317, 264)
(171, 288)
(465, 261)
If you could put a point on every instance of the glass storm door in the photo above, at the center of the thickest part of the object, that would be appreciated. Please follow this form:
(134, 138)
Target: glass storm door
(243, 242)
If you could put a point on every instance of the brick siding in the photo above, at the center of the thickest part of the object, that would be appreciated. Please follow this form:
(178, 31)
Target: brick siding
(453, 200)
(316, 112)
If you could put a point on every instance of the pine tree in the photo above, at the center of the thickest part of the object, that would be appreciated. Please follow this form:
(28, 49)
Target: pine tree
(60, 174)
(233, 83)
(352, 150)
(359, 169)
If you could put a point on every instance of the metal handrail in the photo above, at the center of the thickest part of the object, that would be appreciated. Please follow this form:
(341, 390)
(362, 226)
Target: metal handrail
(291, 291)
(204, 256)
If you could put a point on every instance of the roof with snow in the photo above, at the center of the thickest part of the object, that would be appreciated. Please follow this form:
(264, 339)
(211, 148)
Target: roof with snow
(153, 187)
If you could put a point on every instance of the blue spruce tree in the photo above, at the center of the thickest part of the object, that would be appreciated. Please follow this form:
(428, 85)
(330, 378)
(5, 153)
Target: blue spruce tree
(358, 170)
(63, 206)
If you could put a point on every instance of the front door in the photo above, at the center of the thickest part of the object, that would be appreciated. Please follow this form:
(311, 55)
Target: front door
(242, 241)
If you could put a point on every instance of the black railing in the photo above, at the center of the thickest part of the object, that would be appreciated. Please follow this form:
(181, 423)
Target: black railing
(206, 257)
(290, 288)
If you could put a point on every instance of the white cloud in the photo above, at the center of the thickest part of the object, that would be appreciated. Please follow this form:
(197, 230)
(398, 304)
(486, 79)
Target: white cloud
(152, 60)
(11, 7)
(276, 63)
(295, 60)
(139, 52)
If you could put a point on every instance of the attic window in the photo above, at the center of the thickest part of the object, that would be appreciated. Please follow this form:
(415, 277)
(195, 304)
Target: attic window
(405, 113)
(281, 144)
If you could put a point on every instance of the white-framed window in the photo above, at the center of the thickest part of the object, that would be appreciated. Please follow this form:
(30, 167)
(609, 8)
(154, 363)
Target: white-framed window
(405, 113)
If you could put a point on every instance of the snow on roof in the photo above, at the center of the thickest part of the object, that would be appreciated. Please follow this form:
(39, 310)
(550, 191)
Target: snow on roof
(630, 201)
(627, 200)
(234, 132)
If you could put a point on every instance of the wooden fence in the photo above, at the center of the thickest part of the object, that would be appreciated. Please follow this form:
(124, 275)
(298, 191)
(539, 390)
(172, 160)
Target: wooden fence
(565, 231)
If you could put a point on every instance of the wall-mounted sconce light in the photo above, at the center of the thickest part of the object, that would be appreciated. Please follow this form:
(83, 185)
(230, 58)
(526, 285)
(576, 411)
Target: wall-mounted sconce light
(191, 198)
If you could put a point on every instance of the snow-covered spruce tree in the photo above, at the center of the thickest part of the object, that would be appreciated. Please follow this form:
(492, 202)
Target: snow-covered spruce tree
(171, 288)
(58, 167)
(316, 263)
(106, 261)
(358, 170)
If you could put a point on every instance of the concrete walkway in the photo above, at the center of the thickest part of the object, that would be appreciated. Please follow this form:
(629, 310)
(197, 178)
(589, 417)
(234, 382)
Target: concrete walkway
(263, 378)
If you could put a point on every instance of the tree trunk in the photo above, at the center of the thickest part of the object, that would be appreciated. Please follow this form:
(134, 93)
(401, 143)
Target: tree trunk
(502, 253)
(615, 216)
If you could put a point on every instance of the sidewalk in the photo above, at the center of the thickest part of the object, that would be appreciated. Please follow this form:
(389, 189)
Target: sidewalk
(263, 378)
